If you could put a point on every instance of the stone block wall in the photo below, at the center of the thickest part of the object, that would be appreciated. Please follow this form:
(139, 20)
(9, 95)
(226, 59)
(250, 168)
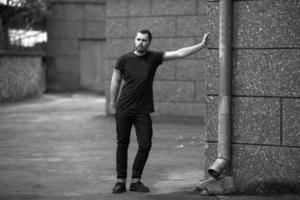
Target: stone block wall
(69, 22)
(179, 87)
(266, 95)
(21, 76)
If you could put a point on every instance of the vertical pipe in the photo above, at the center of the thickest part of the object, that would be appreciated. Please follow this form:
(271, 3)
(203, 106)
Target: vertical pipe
(224, 113)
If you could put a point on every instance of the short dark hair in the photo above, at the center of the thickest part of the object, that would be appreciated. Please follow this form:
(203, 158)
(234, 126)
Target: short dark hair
(146, 31)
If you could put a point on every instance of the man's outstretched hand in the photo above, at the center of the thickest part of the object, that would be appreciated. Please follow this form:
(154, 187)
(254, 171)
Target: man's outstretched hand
(204, 39)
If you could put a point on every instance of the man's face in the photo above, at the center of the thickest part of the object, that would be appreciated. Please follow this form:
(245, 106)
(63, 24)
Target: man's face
(141, 42)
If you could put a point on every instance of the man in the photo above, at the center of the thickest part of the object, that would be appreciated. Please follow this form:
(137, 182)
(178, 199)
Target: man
(137, 69)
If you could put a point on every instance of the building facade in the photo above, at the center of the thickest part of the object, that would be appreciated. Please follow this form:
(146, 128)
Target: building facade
(85, 35)
(265, 94)
(76, 45)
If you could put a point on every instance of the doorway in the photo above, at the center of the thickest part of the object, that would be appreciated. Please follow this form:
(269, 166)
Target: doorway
(92, 65)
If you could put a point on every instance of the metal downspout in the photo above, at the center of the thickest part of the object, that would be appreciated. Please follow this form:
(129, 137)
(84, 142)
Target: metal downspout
(224, 113)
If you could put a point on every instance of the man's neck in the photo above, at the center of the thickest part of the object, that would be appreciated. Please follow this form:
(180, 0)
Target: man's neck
(140, 53)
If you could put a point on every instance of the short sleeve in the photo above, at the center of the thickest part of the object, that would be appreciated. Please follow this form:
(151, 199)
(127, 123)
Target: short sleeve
(119, 65)
(158, 57)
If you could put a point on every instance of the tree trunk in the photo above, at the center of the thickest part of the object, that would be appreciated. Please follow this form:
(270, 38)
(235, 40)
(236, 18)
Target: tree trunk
(4, 37)
(2, 43)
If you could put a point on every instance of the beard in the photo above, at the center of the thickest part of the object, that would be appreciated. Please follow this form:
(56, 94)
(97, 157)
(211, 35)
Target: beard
(141, 49)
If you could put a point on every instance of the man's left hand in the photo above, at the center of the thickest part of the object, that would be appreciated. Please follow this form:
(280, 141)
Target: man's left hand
(204, 39)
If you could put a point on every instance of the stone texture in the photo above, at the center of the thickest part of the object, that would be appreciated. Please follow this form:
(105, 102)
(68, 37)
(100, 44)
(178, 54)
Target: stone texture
(261, 169)
(64, 29)
(260, 72)
(62, 82)
(204, 53)
(94, 12)
(166, 71)
(66, 12)
(20, 77)
(174, 91)
(64, 64)
(157, 25)
(66, 47)
(221, 187)
(255, 120)
(202, 7)
(117, 8)
(267, 23)
(116, 27)
(267, 72)
(179, 109)
(94, 30)
(265, 88)
(213, 24)
(191, 25)
(211, 118)
(118, 47)
(174, 7)
(212, 72)
(191, 69)
(139, 8)
(291, 122)
(260, 24)
(200, 91)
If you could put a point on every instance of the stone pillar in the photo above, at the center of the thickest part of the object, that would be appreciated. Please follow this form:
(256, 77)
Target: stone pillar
(266, 95)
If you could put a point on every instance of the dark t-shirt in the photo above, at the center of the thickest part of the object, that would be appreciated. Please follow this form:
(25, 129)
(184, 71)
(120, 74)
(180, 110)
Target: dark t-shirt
(138, 73)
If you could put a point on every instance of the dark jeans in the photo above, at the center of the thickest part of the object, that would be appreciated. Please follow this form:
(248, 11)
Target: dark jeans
(143, 128)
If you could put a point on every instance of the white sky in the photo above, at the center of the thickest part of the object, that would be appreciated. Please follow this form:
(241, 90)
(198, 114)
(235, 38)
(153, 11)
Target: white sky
(26, 38)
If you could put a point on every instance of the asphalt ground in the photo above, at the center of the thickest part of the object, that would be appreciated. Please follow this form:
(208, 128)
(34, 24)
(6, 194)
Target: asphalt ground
(62, 146)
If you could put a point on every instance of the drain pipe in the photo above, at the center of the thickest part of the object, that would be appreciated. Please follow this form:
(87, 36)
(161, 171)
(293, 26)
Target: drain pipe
(224, 114)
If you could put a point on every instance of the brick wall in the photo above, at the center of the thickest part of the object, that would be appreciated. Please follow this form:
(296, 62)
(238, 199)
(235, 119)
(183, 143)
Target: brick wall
(21, 76)
(179, 87)
(69, 22)
(266, 95)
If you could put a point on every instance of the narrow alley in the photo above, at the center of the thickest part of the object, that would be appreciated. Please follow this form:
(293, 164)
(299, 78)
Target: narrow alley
(62, 146)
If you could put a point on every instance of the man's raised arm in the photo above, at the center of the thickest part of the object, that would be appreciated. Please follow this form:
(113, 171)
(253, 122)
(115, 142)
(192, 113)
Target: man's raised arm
(186, 51)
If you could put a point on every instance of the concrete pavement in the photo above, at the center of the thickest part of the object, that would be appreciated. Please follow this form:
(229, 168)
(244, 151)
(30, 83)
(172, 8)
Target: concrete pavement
(62, 146)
